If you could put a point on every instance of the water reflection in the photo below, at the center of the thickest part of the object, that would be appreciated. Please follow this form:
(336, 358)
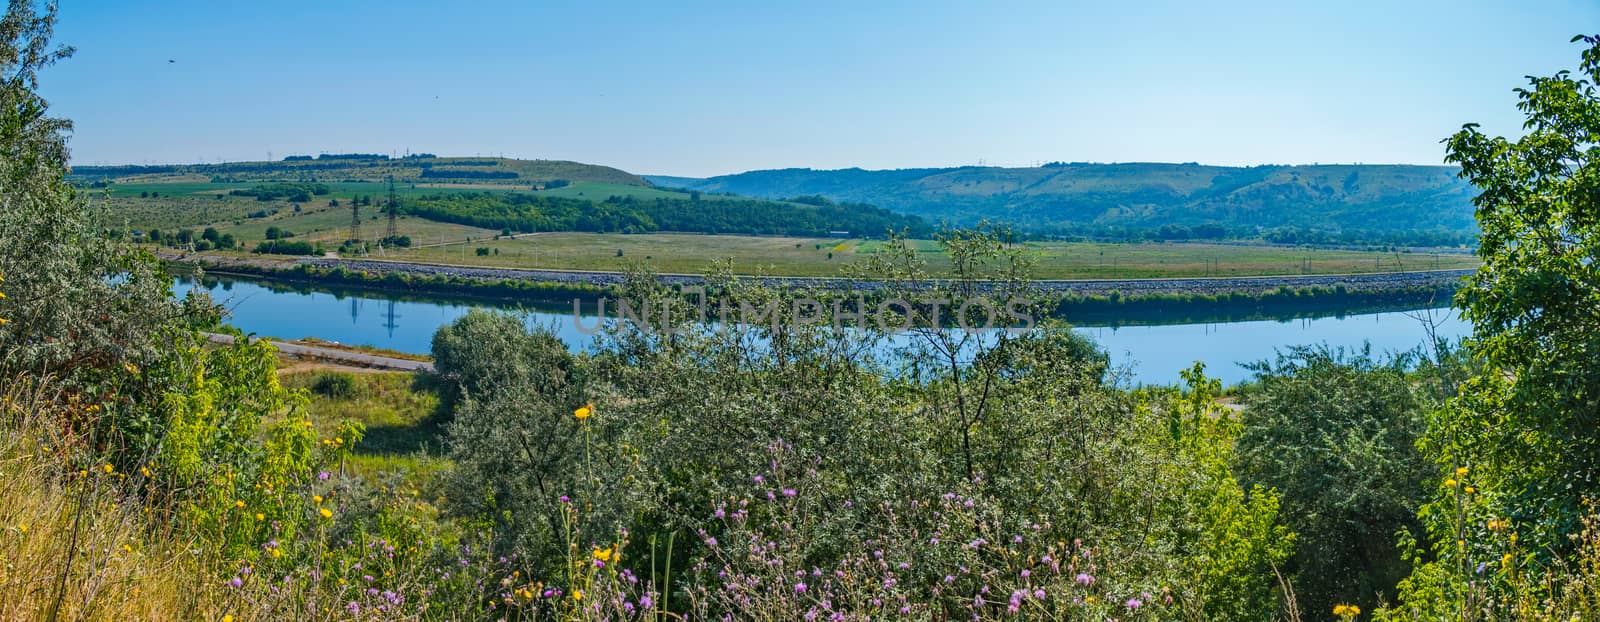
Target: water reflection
(1154, 352)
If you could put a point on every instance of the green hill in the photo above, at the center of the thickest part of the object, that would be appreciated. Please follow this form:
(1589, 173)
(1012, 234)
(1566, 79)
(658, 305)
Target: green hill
(369, 167)
(1352, 203)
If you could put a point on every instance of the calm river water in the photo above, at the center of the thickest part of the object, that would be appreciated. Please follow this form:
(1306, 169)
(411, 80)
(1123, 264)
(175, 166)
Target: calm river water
(1154, 353)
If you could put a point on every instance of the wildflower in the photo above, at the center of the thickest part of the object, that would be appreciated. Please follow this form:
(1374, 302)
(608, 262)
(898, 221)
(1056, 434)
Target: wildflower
(325, 513)
(1461, 471)
(1133, 603)
(236, 582)
(317, 498)
(238, 504)
(1084, 579)
(1346, 611)
(109, 469)
(577, 594)
(1450, 483)
(322, 475)
(1471, 490)
(260, 516)
(584, 411)
(227, 618)
(603, 554)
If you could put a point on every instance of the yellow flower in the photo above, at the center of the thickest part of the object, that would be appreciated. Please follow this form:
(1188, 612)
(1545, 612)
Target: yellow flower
(1346, 610)
(603, 554)
(1506, 561)
(577, 594)
(1461, 471)
(227, 618)
(325, 513)
(260, 516)
(145, 471)
(1471, 490)
(127, 548)
(22, 527)
(238, 504)
(1450, 483)
(109, 469)
(584, 411)
(277, 553)
(317, 498)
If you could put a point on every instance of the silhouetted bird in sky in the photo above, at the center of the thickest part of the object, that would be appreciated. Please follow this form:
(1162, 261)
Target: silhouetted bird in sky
(171, 61)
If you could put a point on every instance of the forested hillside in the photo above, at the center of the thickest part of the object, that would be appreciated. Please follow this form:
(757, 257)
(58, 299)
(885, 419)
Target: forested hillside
(528, 213)
(1320, 203)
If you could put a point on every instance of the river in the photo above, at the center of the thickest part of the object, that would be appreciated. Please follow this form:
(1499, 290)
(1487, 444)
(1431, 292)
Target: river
(1153, 353)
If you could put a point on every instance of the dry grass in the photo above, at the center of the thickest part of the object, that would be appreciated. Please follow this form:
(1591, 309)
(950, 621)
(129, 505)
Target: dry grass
(74, 547)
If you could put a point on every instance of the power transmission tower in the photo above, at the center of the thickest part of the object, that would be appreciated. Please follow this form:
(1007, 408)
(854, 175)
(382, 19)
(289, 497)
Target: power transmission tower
(355, 219)
(394, 209)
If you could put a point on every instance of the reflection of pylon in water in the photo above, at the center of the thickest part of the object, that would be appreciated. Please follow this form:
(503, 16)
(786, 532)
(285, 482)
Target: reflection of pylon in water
(389, 322)
(355, 309)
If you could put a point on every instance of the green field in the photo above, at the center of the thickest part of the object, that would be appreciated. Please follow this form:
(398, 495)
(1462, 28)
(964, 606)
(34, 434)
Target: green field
(195, 204)
(688, 253)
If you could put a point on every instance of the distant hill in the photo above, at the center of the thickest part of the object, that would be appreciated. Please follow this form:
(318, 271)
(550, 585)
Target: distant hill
(1354, 203)
(370, 167)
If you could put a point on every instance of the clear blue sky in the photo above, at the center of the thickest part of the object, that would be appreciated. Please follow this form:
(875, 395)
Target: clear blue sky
(705, 88)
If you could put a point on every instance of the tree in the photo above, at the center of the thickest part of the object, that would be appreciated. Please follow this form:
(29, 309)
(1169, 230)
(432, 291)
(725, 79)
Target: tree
(1336, 434)
(78, 307)
(1526, 426)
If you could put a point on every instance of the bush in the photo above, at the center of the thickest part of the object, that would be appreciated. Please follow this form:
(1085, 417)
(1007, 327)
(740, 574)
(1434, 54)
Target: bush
(280, 247)
(336, 385)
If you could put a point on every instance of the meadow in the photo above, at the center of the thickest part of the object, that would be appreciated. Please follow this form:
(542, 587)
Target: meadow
(786, 256)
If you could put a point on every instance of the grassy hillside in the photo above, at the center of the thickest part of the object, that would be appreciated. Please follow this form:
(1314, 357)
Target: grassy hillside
(422, 171)
(1365, 203)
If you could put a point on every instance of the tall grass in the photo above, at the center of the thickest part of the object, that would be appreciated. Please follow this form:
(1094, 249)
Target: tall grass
(75, 545)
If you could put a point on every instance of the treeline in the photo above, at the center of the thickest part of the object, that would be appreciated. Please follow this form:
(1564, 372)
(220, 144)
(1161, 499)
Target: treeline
(529, 213)
(297, 193)
(448, 173)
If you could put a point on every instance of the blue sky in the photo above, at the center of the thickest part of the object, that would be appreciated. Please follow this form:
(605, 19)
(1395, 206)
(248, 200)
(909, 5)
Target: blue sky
(705, 88)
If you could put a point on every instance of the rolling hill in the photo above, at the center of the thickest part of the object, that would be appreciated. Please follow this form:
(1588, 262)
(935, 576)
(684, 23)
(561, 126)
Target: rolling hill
(1330, 202)
(369, 167)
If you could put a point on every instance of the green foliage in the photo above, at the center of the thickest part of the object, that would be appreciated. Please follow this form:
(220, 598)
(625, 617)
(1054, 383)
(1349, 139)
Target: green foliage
(283, 247)
(1335, 433)
(336, 385)
(627, 214)
(294, 193)
(1527, 424)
